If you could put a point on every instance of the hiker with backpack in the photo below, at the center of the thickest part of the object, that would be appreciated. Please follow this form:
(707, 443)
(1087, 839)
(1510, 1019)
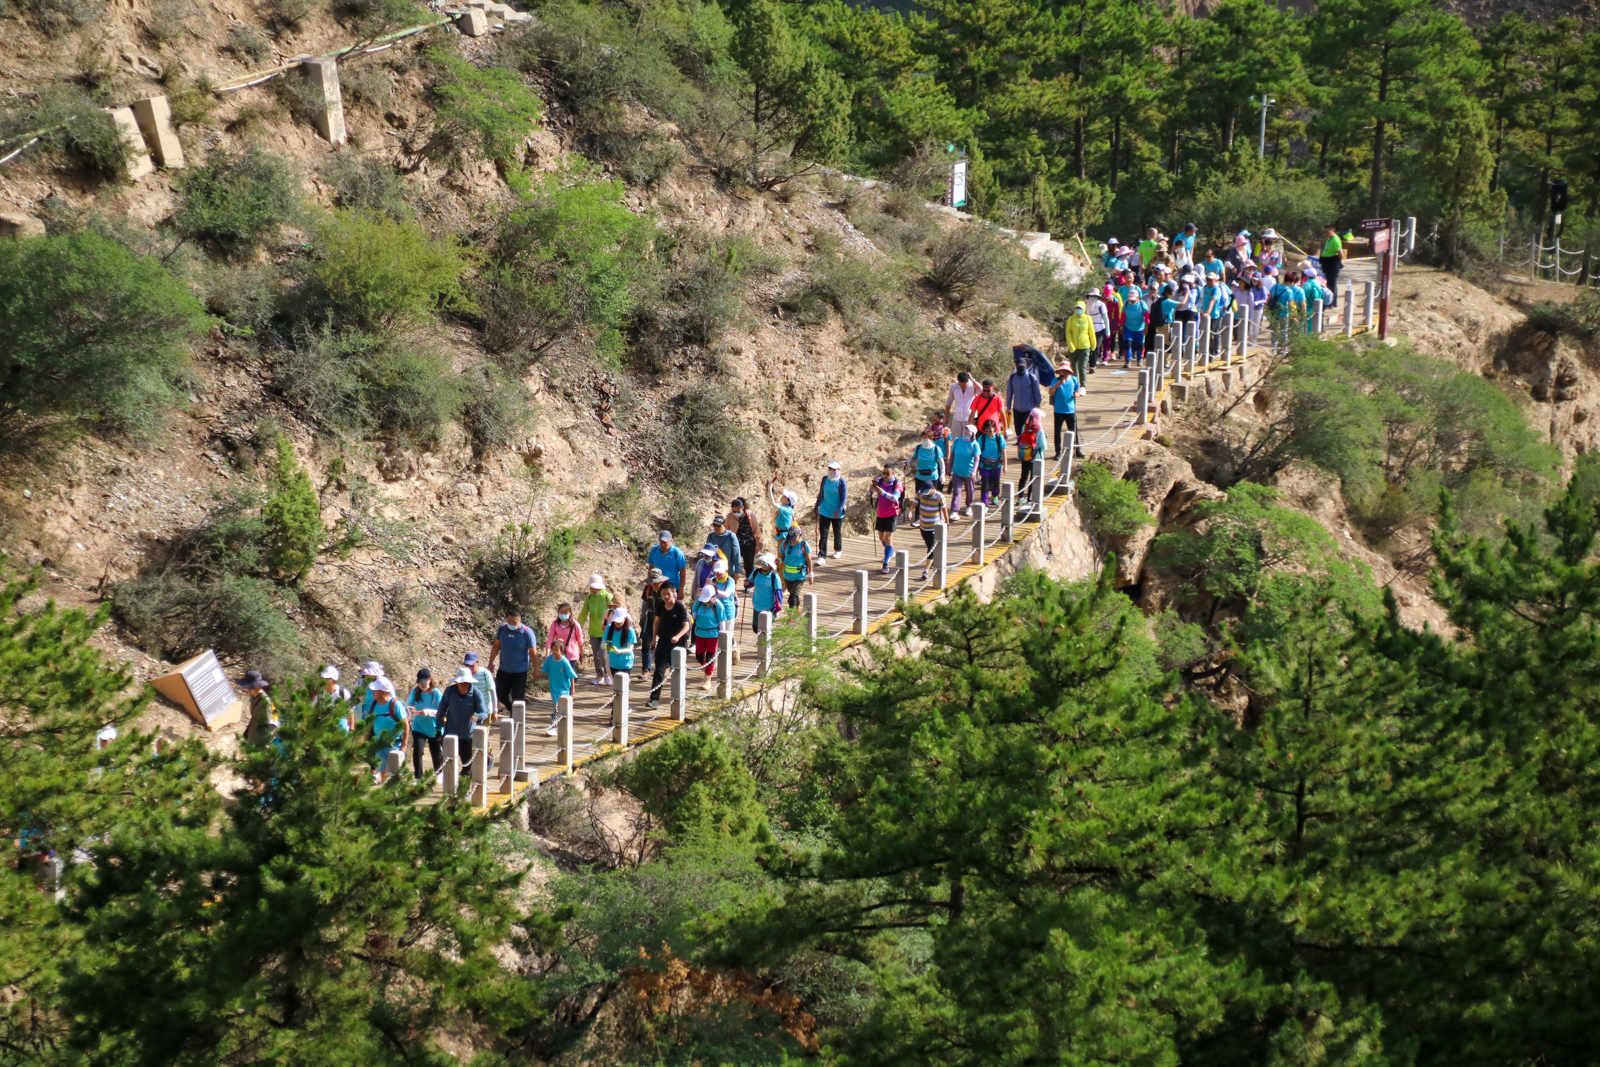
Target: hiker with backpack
(794, 555)
(423, 701)
(1080, 338)
(931, 514)
(1064, 402)
(1030, 442)
(963, 466)
(1023, 391)
(1100, 318)
(673, 625)
(620, 640)
(766, 589)
(743, 523)
(707, 632)
(833, 495)
(784, 504)
(390, 730)
(927, 460)
(887, 494)
(991, 461)
(988, 405)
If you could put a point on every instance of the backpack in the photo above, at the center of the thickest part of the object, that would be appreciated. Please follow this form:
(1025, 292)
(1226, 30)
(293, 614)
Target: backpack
(1279, 298)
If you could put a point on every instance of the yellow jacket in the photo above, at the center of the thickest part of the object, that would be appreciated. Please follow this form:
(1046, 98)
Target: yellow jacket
(1080, 329)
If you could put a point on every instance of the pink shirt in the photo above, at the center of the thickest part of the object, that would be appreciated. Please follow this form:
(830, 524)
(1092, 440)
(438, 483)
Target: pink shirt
(888, 497)
(569, 635)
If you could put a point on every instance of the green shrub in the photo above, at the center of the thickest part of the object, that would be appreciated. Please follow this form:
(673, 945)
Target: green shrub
(376, 273)
(91, 332)
(374, 17)
(563, 266)
(173, 618)
(1179, 644)
(236, 202)
(494, 408)
(291, 518)
(685, 515)
(248, 45)
(704, 445)
(369, 85)
(61, 17)
(1579, 317)
(169, 19)
(289, 14)
(362, 184)
(967, 262)
(690, 783)
(841, 282)
(367, 384)
(1109, 505)
(696, 291)
(1297, 207)
(244, 296)
(522, 569)
(480, 112)
(193, 103)
(618, 515)
(87, 138)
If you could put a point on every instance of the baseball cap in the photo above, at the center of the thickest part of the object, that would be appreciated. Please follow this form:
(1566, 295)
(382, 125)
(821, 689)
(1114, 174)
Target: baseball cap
(470, 659)
(664, 535)
(834, 465)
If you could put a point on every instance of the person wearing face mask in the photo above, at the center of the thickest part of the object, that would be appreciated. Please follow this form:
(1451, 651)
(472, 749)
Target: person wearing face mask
(832, 495)
(424, 702)
(390, 730)
(963, 464)
(568, 633)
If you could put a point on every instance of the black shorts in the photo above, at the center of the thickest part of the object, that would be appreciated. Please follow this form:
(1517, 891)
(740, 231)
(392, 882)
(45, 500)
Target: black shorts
(885, 523)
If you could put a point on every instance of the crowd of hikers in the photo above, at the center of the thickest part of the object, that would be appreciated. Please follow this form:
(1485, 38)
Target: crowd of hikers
(699, 601)
(1153, 290)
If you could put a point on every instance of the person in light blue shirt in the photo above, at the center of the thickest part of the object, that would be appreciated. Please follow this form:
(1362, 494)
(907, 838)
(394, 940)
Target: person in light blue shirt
(963, 465)
(1135, 313)
(560, 673)
(620, 639)
(425, 726)
(766, 589)
(669, 559)
(991, 460)
(784, 503)
(833, 495)
(927, 461)
(1064, 402)
(513, 646)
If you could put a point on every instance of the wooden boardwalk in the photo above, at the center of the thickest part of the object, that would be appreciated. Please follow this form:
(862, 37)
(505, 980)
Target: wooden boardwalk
(1108, 415)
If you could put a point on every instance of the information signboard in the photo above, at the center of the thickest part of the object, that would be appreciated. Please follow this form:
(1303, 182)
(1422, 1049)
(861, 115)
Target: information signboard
(201, 687)
(956, 190)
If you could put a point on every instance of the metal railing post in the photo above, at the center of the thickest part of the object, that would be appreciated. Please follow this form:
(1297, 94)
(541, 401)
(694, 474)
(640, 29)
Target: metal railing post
(619, 708)
(1316, 317)
(902, 576)
(859, 624)
(680, 684)
(941, 556)
(564, 758)
(764, 645)
(980, 526)
(1349, 310)
(808, 603)
(479, 794)
(452, 764)
(1008, 511)
(1367, 299)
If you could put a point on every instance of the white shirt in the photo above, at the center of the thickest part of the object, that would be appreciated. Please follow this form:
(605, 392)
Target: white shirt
(1096, 307)
(961, 401)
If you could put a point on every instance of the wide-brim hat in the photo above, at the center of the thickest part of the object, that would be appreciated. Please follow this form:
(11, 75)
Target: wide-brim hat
(656, 575)
(372, 669)
(596, 582)
(463, 675)
(253, 680)
(331, 672)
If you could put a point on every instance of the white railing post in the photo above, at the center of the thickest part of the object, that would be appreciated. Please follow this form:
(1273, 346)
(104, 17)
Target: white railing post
(764, 645)
(1142, 415)
(1008, 512)
(1036, 465)
(680, 683)
(519, 740)
(1411, 234)
(1349, 310)
(725, 672)
(980, 529)
(619, 708)
(1227, 339)
(479, 795)
(1367, 300)
(863, 616)
(564, 757)
(452, 764)
(393, 762)
(1064, 466)
(505, 761)
(941, 556)
(902, 576)
(808, 603)
(1316, 317)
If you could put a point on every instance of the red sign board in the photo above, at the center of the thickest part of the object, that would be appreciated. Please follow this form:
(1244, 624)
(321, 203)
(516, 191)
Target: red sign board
(1368, 225)
(1380, 241)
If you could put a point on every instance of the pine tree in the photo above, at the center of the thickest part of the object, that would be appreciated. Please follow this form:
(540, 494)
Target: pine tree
(60, 793)
(292, 516)
(326, 920)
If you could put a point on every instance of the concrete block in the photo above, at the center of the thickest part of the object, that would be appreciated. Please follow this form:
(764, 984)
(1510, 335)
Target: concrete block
(322, 74)
(518, 16)
(139, 165)
(155, 122)
(473, 22)
(20, 226)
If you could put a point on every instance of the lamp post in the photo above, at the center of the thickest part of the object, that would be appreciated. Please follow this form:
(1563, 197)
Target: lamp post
(1266, 102)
